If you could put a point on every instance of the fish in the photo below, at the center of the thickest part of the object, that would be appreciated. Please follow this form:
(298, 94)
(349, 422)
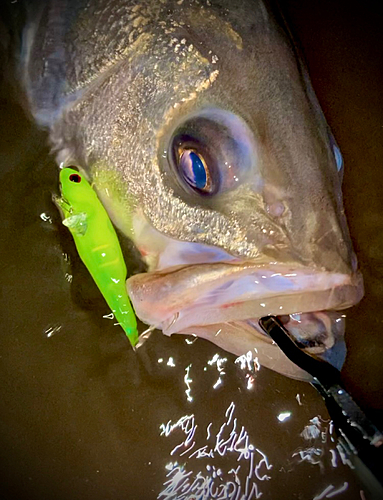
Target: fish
(197, 125)
(97, 244)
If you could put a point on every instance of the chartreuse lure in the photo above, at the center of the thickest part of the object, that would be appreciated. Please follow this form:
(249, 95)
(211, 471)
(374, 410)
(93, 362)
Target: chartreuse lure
(97, 244)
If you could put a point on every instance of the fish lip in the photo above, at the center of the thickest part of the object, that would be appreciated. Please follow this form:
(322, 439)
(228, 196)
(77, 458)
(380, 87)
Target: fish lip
(160, 297)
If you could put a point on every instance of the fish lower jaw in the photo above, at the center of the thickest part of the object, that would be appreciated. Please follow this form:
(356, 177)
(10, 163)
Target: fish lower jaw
(222, 303)
(246, 340)
(320, 333)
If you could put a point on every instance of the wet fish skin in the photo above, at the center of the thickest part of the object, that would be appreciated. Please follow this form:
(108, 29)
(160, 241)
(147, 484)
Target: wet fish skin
(132, 80)
(114, 80)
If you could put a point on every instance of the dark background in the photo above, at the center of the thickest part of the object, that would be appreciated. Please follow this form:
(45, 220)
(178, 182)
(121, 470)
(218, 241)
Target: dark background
(343, 46)
(79, 413)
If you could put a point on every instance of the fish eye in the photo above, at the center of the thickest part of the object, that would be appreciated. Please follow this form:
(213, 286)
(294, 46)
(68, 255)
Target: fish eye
(193, 164)
(338, 157)
(212, 151)
(336, 152)
(75, 178)
(194, 170)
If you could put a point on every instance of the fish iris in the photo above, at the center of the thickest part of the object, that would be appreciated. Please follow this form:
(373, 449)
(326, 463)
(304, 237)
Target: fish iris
(194, 170)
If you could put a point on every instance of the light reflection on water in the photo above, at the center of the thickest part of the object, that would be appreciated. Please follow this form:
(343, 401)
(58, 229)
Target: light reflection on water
(330, 491)
(250, 366)
(199, 478)
(219, 363)
(188, 381)
(197, 472)
(222, 459)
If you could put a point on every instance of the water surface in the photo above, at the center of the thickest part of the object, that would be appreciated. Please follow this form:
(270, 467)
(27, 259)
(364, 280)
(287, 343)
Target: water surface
(83, 417)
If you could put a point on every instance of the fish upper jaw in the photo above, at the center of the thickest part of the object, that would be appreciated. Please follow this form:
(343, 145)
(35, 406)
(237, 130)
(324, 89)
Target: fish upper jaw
(181, 297)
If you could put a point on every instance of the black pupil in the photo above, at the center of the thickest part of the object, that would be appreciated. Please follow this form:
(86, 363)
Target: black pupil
(75, 178)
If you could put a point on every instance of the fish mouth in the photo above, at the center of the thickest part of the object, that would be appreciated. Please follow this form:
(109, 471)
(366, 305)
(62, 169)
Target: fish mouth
(223, 301)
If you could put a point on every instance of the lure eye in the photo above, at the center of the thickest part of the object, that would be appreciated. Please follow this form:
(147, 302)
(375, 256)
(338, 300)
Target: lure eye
(75, 178)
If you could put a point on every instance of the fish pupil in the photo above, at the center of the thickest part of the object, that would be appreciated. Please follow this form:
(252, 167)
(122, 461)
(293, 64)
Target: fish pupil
(75, 178)
(193, 169)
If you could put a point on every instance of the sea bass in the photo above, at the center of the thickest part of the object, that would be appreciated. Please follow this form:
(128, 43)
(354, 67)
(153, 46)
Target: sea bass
(196, 123)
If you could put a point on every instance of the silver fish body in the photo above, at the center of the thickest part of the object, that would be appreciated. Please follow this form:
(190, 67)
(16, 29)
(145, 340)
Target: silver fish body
(129, 90)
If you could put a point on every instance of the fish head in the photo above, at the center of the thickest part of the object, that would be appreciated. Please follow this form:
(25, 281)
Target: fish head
(203, 137)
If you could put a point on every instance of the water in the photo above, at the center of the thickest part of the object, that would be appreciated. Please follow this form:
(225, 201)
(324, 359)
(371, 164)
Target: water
(82, 417)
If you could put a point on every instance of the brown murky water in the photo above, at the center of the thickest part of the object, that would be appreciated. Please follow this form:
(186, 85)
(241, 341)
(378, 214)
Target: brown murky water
(82, 417)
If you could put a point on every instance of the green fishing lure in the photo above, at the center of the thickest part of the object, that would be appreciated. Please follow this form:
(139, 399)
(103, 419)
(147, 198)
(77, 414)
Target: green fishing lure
(97, 244)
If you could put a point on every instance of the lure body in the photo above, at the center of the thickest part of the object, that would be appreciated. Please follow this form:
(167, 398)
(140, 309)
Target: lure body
(97, 244)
